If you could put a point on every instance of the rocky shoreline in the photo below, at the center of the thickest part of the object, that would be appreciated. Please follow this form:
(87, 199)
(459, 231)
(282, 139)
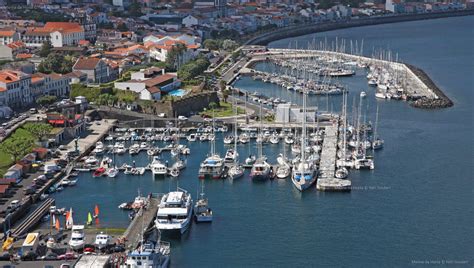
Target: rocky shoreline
(442, 101)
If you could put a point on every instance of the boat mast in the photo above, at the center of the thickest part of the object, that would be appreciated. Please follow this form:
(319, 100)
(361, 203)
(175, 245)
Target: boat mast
(213, 127)
(260, 149)
(303, 131)
(235, 123)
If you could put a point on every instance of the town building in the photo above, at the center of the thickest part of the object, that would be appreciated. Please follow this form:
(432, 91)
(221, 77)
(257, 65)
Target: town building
(97, 70)
(7, 37)
(59, 34)
(15, 89)
(50, 84)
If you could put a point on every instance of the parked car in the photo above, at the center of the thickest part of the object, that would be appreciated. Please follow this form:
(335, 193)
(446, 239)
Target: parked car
(67, 256)
(182, 118)
(50, 256)
(13, 205)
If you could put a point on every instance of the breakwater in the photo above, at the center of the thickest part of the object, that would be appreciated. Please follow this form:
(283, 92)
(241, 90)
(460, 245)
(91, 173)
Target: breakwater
(298, 30)
(442, 101)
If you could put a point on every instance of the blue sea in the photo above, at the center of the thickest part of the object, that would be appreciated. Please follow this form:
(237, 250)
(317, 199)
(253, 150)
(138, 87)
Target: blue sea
(415, 207)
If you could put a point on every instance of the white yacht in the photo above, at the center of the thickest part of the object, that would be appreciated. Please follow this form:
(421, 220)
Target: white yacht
(244, 138)
(192, 137)
(261, 170)
(119, 148)
(77, 240)
(149, 255)
(102, 240)
(99, 148)
(175, 211)
(211, 167)
(231, 156)
(157, 168)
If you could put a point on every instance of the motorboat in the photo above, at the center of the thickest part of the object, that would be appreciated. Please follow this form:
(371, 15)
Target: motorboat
(149, 255)
(244, 138)
(179, 164)
(341, 173)
(91, 161)
(77, 240)
(134, 149)
(363, 94)
(99, 148)
(102, 240)
(362, 163)
(99, 172)
(119, 148)
(175, 211)
(231, 156)
(112, 172)
(157, 168)
(261, 170)
(191, 137)
(274, 139)
(228, 139)
(289, 140)
(174, 172)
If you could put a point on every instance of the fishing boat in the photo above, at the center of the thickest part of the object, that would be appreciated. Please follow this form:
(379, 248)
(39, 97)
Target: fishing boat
(149, 255)
(202, 211)
(175, 212)
(77, 240)
(102, 240)
(157, 168)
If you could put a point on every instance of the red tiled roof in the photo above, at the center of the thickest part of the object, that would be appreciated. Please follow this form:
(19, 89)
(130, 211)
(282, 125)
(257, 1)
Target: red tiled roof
(86, 63)
(154, 90)
(24, 56)
(7, 33)
(158, 80)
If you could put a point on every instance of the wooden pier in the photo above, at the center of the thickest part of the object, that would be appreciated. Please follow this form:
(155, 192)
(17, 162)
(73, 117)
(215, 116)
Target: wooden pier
(142, 221)
(327, 166)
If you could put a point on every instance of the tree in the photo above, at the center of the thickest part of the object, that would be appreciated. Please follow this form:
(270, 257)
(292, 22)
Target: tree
(38, 130)
(229, 45)
(225, 94)
(46, 100)
(211, 44)
(122, 27)
(135, 9)
(17, 147)
(56, 63)
(45, 49)
(174, 57)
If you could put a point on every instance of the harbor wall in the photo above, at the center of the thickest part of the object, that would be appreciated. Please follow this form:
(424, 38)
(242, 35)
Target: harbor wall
(299, 30)
(442, 101)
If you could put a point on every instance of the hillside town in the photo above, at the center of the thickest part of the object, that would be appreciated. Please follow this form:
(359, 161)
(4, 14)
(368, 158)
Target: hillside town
(84, 82)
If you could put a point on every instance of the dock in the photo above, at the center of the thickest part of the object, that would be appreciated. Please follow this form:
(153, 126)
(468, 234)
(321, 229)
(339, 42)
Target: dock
(142, 221)
(327, 166)
(32, 219)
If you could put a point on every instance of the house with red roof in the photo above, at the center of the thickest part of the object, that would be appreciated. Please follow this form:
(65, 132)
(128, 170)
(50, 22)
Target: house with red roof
(15, 90)
(60, 34)
(8, 36)
(97, 70)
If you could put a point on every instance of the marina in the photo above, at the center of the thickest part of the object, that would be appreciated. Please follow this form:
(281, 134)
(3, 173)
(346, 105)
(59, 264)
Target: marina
(367, 147)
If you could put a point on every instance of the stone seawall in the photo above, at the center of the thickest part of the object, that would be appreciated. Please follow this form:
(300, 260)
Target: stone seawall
(442, 101)
(299, 30)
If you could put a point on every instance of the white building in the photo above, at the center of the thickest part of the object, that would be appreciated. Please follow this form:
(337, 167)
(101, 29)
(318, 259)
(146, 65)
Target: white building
(7, 37)
(190, 21)
(286, 113)
(58, 33)
(15, 89)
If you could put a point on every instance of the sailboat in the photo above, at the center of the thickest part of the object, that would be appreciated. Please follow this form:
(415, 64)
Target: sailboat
(236, 170)
(96, 211)
(304, 171)
(89, 218)
(69, 219)
(377, 143)
(261, 170)
(202, 211)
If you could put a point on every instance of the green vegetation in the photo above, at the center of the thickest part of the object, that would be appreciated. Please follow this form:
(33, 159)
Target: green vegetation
(45, 49)
(223, 110)
(38, 130)
(46, 100)
(20, 143)
(174, 57)
(56, 63)
(193, 68)
(36, 14)
(91, 93)
(216, 44)
(225, 34)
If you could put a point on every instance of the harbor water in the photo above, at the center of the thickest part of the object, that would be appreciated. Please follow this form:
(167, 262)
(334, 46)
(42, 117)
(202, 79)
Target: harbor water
(415, 206)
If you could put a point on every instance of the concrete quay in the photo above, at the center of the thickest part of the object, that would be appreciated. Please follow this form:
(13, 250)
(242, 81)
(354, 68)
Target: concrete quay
(327, 165)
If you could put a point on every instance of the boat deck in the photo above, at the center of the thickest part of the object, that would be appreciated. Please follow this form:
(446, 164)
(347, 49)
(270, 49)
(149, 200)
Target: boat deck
(327, 166)
(142, 221)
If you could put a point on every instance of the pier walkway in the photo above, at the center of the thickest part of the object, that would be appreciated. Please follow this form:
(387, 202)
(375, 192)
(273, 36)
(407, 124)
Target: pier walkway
(141, 222)
(32, 219)
(327, 166)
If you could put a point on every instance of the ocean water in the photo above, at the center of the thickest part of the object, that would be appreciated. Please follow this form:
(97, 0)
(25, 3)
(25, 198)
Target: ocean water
(416, 206)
